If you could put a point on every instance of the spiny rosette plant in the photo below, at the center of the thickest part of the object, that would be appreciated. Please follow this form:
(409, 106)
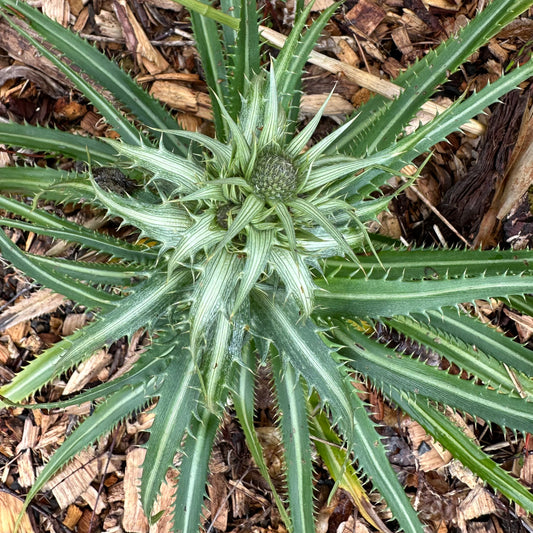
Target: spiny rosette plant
(251, 249)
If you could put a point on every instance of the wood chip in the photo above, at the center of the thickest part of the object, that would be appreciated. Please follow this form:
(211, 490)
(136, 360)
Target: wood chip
(164, 502)
(479, 502)
(108, 25)
(218, 501)
(39, 303)
(10, 508)
(346, 53)
(30, 436)
(17, 332)
(75, 479)
(449, 5)
(182, 98)
(134, 520)
(137, 41)
(520, 176)
(72, 323)
(320, 5)
(336, 106)
(464, 474)
(431, 455)
(97, 501)
(366, 16)
(58, 10)
(86, 371)
(53, 437)
(73, 516)
(523, 323)
(402, 41)
(25, 469)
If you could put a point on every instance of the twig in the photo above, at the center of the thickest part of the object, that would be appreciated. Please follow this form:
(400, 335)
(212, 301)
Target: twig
(364, 79)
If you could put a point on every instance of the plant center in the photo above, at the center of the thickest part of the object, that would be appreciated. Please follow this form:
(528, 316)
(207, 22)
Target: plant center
(274, 176)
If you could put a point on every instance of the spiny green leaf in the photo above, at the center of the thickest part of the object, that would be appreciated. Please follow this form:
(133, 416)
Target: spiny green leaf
(483, 337)
(172, 416)
(194, 469)
(61, 283)
(389, 369)
(104, 418)
(467, 358)
(373, 298)
(461, 447)
(60, 142)
(149, 300)
(295, 431)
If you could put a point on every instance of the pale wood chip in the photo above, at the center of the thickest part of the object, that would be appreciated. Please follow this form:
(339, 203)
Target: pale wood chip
(26, 471)
(166, 4)
(189, 122)
(8, 349)
(171, 76)
(53, 437)
(6, 159)
(218, 501)
(449, 5)
(182, 98)
(76, 7)
(464, 474)
(97, 501)
(115, 493)
(165, 502)
(431, 455)
(10, 508)
(143, 422)
(39, 303)
(336, 106)
(134, 520)
(58, 10)
(479, 502)
(4, 354)
(74, 479)
(86, 371)
(30, 436)
(18, 331)
(345, 52)
(108, 25)
(73, 322)
(320, 5)
(524, 324)
(78, 410)
(33, 343)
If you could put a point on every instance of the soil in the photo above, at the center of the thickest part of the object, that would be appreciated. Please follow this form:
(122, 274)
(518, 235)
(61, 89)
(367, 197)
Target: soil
(475, 191)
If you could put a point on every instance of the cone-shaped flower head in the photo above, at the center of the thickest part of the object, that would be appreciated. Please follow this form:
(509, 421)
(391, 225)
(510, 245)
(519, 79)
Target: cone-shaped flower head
(275, 176)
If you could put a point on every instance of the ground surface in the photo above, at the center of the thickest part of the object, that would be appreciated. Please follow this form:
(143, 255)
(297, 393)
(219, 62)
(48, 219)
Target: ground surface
(465, 181)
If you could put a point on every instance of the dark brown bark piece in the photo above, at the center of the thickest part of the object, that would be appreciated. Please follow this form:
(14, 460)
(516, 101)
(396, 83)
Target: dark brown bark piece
(365, 16)
(465, 203)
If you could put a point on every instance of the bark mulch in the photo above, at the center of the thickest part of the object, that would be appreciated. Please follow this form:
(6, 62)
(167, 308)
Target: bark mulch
(476, 190)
